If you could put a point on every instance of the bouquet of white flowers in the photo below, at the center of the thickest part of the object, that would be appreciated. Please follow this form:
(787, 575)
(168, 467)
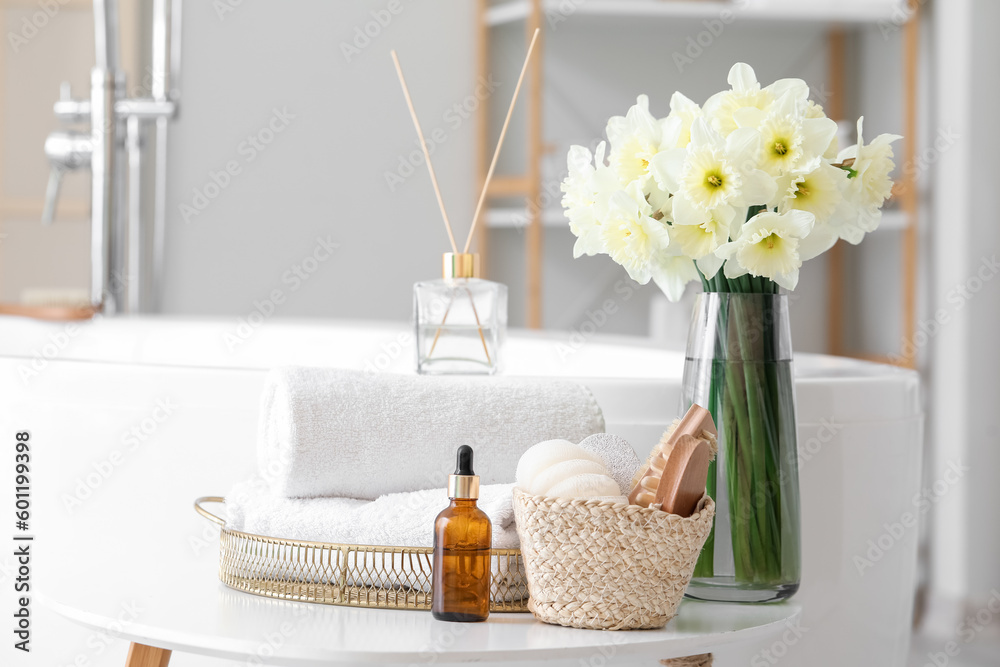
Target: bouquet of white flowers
(753, 182)
(736, 193)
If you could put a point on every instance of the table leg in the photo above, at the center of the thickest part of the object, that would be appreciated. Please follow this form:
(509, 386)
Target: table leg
(140, 655)
(704, 660)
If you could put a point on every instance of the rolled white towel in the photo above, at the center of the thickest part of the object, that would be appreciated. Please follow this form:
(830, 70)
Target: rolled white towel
(329, 432)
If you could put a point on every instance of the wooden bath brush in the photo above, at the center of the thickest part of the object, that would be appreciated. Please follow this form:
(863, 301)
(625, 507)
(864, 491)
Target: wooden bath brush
(674, 476)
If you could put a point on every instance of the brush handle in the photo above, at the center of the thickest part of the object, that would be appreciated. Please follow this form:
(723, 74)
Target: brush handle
(682, 483)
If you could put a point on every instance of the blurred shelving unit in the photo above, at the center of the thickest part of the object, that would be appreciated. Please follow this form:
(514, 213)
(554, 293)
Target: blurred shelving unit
(840, 16)
(849, 11)
(513, 217)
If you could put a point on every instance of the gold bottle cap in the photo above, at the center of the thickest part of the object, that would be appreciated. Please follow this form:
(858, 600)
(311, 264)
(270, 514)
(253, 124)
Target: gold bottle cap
(465, 487)
(460, 265)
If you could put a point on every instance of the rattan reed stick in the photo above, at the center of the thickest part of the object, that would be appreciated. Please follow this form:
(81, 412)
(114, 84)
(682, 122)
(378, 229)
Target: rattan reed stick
(503, 133)
(427, 155)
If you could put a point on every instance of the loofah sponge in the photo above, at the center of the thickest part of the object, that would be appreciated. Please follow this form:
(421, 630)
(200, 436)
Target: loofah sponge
(584, 486)
(546, 454)
(617, 454)
(560, 469)
(554, 474)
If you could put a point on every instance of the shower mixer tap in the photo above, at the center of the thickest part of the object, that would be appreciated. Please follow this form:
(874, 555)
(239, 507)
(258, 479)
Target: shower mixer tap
(67, 151)
(114, 151)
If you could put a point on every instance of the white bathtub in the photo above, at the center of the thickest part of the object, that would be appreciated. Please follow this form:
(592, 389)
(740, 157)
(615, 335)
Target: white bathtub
(159, 411)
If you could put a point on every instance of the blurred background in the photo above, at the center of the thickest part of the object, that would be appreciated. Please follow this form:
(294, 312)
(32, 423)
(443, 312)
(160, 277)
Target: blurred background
(270, 125)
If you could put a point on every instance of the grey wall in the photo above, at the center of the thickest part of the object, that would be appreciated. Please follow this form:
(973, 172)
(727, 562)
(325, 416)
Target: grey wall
(323, 174)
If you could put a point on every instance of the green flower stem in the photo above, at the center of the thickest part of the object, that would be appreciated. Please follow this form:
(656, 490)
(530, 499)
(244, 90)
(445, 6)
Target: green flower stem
(758, 500)
(740, 530)
(737, 442)
(705, 567)
(773, 445)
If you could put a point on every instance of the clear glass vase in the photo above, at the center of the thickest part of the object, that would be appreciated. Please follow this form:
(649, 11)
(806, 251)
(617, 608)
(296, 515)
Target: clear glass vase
(739, 366)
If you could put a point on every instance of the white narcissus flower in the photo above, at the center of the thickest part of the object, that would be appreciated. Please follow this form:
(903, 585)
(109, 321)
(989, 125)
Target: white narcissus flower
(677, 125)
(709, 179)
(769, 246)
(635, 139)
(814, 110)
(587, 187)
(714, 172)
(672, 272)
(819, 191)
(746, 93)
(781, 141)
(698, 233)
(746, 104)
(870, 184)
(630, 235)
(791, 142)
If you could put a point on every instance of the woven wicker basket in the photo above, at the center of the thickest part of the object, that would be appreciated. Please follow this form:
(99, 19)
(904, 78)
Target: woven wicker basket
(593, 564)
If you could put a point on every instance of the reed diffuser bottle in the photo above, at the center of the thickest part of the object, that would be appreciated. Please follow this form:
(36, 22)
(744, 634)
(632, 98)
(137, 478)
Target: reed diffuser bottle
(460, 320)
(463, 538)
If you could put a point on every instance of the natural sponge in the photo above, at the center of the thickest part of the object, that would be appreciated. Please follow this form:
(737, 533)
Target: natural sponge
(585, 486)
(560, 469)
(546, 454)
(554, 474)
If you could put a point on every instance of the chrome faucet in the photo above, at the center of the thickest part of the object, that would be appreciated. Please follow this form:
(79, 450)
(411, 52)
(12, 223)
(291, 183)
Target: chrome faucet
(114, 151)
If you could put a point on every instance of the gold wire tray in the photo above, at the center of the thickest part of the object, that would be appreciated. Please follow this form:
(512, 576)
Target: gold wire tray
(348, 574)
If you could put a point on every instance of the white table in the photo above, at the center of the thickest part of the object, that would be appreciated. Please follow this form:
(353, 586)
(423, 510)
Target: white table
(133, 556)
(189, 612)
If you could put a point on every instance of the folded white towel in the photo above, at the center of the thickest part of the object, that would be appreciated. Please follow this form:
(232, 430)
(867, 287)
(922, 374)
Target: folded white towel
(328, 432)
(396, 519)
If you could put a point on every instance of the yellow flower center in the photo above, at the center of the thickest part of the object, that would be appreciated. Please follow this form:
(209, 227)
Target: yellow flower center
(780, 147)
(802, 190)
(770, 241)
(713, 180)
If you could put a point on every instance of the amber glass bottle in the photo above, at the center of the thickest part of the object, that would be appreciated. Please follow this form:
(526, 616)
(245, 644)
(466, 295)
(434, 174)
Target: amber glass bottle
(462, 541)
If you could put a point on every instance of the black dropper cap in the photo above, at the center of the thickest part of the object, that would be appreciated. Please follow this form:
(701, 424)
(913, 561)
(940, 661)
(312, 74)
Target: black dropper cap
(463, 464)
(464, 483)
